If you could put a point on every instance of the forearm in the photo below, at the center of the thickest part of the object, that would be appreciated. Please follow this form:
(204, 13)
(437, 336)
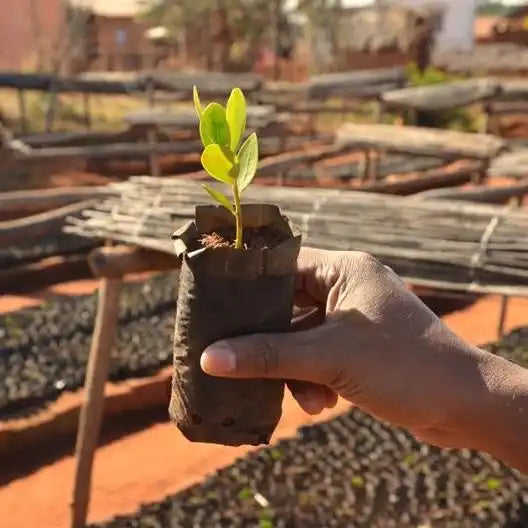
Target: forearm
(494, 414)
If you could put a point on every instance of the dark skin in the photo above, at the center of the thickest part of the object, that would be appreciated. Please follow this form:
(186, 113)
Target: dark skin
(371, 341)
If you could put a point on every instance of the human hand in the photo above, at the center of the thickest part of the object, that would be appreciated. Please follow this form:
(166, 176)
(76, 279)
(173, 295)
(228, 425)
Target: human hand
(376, 345)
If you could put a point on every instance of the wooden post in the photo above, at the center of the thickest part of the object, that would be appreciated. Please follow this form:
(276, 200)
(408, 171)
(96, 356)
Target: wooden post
(483, 173)
(375, 165)
(502, 315)
(365, 169)
(87, 111)
(379, 110)
(282, 148)
(92, 408)
(487, 120)
(151, 93)
(22, 110)
(311, 124)
(52, 107)
(153, 157)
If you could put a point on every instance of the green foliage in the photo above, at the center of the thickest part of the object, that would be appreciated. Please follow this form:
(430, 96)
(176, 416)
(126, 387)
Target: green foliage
(248, 160)
(276, 453)
(214, 123)
(221, 131)
(494, 483)
(245, 494)
(218, 163)
(430, 75)
(236, 117)
(462, 119)
(197, 103)
(358, 481)
(494, 8)
(220, 197)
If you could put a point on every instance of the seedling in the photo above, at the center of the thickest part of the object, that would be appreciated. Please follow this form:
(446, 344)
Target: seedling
(227, 293)
(222, 130)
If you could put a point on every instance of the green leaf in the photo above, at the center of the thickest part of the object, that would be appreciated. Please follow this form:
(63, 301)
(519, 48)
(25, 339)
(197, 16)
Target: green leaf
(221, 198)
(276, 453)
(245, 493)
(494, 483)
(236, 112)
(215, 124)
(197, 103)
(217, 161)
(204, 134)
(248, 161)
(358, 481)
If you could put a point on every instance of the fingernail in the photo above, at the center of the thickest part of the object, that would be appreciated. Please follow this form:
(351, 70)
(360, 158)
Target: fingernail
(218, 358)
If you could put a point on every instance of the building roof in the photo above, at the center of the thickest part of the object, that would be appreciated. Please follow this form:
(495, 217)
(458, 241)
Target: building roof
(113, 8)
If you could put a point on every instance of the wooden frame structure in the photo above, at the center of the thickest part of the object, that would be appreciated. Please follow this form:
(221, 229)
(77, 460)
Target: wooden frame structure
(143, 84)
(443, 144)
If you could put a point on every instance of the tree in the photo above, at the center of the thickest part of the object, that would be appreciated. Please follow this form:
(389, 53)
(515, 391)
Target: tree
(490, 7)
(221, 23)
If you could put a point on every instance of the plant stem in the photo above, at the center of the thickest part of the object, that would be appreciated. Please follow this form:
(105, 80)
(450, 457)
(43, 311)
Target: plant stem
(239, 243)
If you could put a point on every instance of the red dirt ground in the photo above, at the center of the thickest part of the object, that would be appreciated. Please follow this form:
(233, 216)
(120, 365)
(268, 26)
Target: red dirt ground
(148, 465)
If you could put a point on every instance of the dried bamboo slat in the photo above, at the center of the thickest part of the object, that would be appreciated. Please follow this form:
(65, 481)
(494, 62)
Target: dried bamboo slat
(443, 96)
(510, 164)
(355, 83)
(257, 117)
(471, 245)
(446, 144)
(269, 145)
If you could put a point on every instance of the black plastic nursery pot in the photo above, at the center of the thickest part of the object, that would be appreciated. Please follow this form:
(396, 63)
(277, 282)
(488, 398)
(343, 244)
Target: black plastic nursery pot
(227, 292)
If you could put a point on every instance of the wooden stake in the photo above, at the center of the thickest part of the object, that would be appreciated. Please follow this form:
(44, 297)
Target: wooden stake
(153, 156)
(92, 409)
(486, 127)
(502, 316)
(52, 108)
(379, 110)
(22, 110)
(374, 165)
(367, 161)
(87, 111)
(151, 93)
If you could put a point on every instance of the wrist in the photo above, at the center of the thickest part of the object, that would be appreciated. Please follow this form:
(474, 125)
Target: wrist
(492, 411)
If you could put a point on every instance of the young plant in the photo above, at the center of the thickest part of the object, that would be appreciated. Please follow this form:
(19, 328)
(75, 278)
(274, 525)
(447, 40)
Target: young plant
(222, 130)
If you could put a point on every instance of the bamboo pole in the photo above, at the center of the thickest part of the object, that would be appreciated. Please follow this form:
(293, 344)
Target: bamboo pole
(34, 226)
(92, 408)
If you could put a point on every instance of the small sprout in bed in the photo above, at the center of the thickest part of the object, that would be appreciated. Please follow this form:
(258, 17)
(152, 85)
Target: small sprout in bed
(224, 158)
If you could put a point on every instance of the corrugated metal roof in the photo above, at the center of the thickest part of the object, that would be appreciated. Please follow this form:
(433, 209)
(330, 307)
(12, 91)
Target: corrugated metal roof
(113, 7)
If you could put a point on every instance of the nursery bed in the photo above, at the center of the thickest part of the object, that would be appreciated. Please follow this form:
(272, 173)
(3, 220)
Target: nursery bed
(44, 350)
(47, 246)
(352, 471)
(513, 346)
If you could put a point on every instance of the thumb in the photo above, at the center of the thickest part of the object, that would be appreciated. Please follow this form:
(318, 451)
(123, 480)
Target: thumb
(305, 356)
